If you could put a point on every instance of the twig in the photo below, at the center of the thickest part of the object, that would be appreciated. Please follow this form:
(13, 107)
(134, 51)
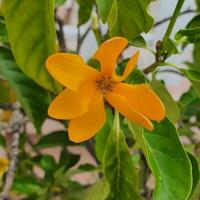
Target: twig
(81, 39)
(8, 106)
(168, 18)
(170, 71)
(16, 124)
(60, 35)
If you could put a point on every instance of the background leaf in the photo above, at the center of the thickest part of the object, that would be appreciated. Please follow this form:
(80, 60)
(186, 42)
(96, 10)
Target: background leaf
(99, 191)
(57, 138)
(32, 37)
(118, 166)
(167, 159)
(85, 9)
(34, 99)
(125, 18)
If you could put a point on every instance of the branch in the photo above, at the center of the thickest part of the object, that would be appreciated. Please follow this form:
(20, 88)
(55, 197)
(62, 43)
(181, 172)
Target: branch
(81, 39)
(60, 35)
(168, 18)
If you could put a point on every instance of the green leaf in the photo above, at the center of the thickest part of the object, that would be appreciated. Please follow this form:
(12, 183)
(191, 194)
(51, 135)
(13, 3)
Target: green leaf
(105, 7)
(67, 159)
(171, 107)
(195, 172)
(58, 138)
(194, 78)
(188, 35)
(34, 99)
(168, 48)
(99, 191)
(198, 4)
(118, 166)
(85, 9)
(139, 41)
(59, 2)
(2, 141)
(125, 18)
(32, 37)
(167, 159)
(28, 185)
(48, 163)
(196, 57)
(3, 31)
(194, 23)
(190, 105)
(102, 136)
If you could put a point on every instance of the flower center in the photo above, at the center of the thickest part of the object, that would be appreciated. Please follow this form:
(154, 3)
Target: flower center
(104, 84)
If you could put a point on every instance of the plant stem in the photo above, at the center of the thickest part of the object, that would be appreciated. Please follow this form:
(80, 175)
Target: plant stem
(173, 20)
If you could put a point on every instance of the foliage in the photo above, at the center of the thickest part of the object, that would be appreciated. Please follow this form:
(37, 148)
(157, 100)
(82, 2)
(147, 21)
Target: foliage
(126, 155)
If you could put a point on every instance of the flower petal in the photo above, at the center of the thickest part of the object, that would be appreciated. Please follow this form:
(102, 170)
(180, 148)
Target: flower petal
(143, 99)
(121, 104)
(108, 53)
(70, 70)
(128, 69)
(70, 104)
(86, 126)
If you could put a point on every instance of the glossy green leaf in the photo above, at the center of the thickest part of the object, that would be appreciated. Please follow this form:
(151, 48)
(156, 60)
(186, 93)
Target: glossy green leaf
(32, 37)
(34, 99)
(167, 159)
(57, 138)
(171, 107)
(99, 191)
(135, 21)
(85, 9)
(118, 166)
(195, 172)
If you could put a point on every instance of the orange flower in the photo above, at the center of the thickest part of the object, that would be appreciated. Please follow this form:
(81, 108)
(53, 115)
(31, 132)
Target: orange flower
(82, 100)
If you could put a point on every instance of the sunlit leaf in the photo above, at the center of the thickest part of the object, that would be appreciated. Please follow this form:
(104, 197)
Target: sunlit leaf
(32, 37)
(167, 159)
(171, 107)
(118, 166)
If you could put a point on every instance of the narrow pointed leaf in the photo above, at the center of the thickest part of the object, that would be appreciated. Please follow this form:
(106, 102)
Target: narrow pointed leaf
(118, 166)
